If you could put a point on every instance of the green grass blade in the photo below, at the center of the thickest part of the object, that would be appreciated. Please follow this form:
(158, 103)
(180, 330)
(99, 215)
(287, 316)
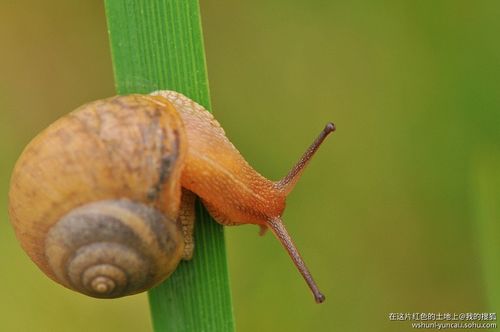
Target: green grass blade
(158, 44)
(487, 205)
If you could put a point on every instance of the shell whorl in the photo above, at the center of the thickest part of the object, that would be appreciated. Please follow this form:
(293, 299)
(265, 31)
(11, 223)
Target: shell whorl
(103, 168)
(113, 248)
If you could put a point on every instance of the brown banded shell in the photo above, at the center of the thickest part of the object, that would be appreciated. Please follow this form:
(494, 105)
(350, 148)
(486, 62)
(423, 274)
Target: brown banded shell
(113, 247)
(94, 198)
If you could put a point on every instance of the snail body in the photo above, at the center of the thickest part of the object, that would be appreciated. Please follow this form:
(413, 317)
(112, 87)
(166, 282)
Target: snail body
(102, 200)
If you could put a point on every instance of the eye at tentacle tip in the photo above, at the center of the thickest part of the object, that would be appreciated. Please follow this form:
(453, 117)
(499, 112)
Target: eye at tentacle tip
(319, 298)
(330, 127)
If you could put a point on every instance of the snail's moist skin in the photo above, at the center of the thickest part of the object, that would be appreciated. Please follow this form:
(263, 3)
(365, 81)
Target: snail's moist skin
(233, 192)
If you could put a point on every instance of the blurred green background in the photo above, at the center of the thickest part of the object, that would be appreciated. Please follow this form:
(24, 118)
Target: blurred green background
(399, 212)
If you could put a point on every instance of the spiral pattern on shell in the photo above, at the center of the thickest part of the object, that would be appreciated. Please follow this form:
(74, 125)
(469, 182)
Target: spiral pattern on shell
(94, 198)
(112, 248)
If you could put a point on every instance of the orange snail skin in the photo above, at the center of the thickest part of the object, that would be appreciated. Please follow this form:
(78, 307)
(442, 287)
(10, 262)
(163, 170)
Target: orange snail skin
(103, 199)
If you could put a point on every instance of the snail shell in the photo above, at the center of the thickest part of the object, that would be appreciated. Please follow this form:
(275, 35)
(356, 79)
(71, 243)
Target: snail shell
(103, 191)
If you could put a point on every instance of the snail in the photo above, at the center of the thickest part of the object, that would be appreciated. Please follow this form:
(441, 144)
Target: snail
(103, 199)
